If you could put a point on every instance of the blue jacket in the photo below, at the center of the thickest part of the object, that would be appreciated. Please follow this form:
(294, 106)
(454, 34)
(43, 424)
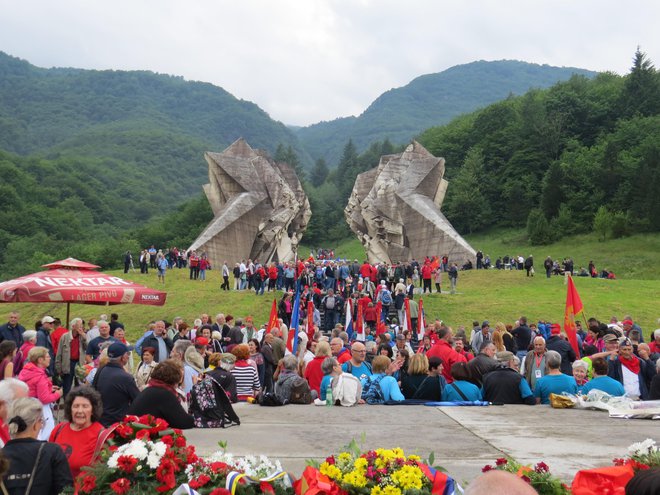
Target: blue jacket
(12, 333)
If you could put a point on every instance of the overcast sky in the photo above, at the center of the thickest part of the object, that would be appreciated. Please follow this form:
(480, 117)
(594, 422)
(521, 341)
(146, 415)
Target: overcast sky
(309, 60)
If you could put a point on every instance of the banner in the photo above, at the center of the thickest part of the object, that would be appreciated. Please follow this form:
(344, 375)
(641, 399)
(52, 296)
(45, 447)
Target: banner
(272, 320)
(421, 324)
(573, 308)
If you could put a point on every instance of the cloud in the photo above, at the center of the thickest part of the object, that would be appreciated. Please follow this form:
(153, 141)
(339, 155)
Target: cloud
(305, 61)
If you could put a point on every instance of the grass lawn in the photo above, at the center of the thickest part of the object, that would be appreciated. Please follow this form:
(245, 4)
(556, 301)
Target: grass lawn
(492, 295)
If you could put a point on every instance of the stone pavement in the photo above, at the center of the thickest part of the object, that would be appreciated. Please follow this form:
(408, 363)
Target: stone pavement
(463, 439)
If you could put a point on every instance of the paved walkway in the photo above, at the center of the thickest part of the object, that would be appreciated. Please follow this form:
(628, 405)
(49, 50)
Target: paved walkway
(463, 439)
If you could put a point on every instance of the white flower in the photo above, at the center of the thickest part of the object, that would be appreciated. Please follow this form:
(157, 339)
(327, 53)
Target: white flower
(646, 447)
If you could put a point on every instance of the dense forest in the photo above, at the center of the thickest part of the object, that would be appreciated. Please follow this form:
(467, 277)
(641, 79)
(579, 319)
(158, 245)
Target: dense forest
(430, 100)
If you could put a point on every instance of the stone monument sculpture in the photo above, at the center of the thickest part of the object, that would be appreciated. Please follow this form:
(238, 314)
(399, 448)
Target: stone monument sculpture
(260, 208)
(394, 210)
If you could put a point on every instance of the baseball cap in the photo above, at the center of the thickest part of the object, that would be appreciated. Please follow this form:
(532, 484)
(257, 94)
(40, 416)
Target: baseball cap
(117, 349)
(47, 319)
(610, 337)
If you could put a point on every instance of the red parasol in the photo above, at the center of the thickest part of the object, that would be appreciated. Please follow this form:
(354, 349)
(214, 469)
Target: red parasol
(72, 281)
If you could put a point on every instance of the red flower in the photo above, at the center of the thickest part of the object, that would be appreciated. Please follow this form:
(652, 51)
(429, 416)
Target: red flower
(220, 491)
(541, 467)
(200, 481)
(501, 461)
(167, 440)
(121, 486)
(143, 435)
(126, 463)
(124, 430)
(526, 479)
(330, 460)
(638, 466)
(218, 466)
(487, 468)
(618, 462)
(165, 473)
(266, 487)
(88, 483)
(180, 441)
(130, 419)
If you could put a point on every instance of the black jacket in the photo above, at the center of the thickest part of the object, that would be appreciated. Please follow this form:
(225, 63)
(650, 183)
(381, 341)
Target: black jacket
(479, 366)
(51, 476)
(163, 404)
(502, 385)
(118, 390)
(556, 343)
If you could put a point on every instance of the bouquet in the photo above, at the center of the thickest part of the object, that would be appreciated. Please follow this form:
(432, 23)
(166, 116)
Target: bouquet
(142, 455)
(641, 455)
(375, 472)
(249, 475)
(539, 477)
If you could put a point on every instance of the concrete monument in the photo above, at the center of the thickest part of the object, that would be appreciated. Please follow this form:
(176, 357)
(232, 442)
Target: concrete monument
(394, 210)
(260, 208)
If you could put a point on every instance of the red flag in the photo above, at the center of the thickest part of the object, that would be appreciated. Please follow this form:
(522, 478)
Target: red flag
(380, 326)
(272, 320)
(359, 324)
(573, 308)
(310, 320)
(421, 324)
(407, 325)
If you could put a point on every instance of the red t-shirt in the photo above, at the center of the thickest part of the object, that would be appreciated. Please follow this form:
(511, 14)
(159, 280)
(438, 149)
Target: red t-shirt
(56, 336)
(78, 446)
(75, 348)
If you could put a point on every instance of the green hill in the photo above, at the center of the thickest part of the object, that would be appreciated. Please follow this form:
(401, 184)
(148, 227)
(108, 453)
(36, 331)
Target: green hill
(430, 100)
(97, 113)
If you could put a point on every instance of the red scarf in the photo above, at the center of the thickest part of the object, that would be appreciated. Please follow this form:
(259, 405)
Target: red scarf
(632, 364)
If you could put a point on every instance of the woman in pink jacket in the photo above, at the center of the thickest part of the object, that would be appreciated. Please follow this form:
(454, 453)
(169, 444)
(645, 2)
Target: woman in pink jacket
(40, 386)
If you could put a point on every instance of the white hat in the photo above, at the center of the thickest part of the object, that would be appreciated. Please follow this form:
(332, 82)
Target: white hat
(47, 319)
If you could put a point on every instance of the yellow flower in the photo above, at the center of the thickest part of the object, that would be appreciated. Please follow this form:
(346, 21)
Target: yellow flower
(331, 471)
(344, 457)
(398, 452)
(391, 490)
(376, 490)
(414, 458)
(408, 477)
(361, 463)
(355, 478)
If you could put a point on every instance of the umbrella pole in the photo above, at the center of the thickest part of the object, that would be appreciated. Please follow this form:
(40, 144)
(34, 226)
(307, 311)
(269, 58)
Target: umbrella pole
(68, 307)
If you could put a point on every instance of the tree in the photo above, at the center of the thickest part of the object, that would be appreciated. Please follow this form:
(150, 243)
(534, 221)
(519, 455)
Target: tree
(467, 208)
(602, 223)
(347, 168)
(319, 172)
(288, 155)
(553, 195)
(538, 228)
(641, 91)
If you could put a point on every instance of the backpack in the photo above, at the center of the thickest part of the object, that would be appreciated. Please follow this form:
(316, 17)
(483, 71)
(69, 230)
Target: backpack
(346, 389)
(372, 393)
(386, 297)
(300, 392)
(269, 399)
(210, 406)
(329, 302)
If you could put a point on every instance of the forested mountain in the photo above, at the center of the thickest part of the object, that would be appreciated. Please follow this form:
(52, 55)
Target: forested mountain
(429, 100)
(161, 124)
(581, 155)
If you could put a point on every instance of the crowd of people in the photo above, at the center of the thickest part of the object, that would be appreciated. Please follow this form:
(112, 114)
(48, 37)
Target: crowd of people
(87, 370)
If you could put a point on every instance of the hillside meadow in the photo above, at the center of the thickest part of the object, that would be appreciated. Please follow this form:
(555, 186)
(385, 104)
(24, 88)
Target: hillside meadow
(492, 295)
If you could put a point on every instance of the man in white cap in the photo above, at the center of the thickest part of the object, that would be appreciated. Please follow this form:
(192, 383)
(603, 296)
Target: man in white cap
(117, 387)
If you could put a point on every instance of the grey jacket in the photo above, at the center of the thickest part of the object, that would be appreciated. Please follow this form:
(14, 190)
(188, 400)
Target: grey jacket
(63, 356)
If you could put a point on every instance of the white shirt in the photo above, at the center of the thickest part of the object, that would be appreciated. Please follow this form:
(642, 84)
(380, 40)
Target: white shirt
(630, 383)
